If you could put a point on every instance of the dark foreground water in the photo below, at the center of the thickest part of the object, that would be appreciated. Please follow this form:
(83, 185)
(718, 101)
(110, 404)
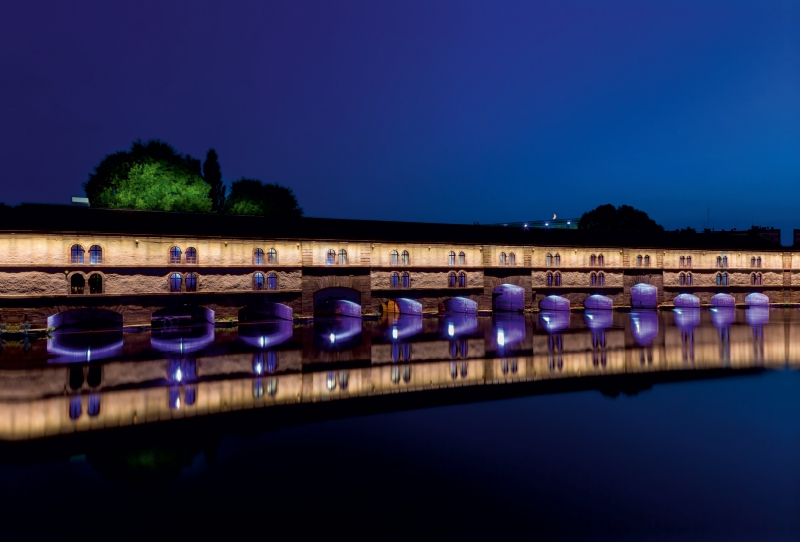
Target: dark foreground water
(646, 426)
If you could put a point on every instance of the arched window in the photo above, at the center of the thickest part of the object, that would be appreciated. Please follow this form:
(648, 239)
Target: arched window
(758, 261)
(724, 261)
(331, 259)
(647, 261)
(76, 254)
(258, 257)
(688, 279)
(395, 279)
(462, 258)
(191, 255)
(191, 280)
(95, 254)
(175, 281)
(601, 260)
(394, 258)
(719, 261)
(548, 260)
(451, 259)
(719, 279)
(405, 257)
(272, 256)
(512, 259)
(258, 281)
(77, 283)
(406, 280)
(594, 279)
(724, 279)
(601, 279)
(462, 280)
(758, 279)
(558, 259)
(639, 260)
(682, 279)
(175, 255)
(342, 257)
(688, 261)
(549, 279)
(683, 261)
(451, 280)
(557, 279)
(752, 279)
(95, 283)
(272, 281)
(593, 260)
(752, 261)
(502, 258)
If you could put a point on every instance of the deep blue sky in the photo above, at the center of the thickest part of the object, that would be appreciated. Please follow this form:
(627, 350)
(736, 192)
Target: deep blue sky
(430, 110)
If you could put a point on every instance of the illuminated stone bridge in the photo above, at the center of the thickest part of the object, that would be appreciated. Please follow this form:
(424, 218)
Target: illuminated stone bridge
(62, 265)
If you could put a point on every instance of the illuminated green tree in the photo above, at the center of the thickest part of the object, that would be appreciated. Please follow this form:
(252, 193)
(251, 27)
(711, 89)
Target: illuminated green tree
(150, 176)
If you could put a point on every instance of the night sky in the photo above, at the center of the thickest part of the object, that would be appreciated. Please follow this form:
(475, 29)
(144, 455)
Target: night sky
(421, 110)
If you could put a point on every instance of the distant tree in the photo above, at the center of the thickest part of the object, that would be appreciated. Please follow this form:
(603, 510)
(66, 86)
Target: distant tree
(622, 218)
(150, 176)
(252, 197)
(213, 176)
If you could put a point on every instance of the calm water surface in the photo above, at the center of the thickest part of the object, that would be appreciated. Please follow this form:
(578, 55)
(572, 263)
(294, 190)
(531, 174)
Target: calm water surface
(624, 426)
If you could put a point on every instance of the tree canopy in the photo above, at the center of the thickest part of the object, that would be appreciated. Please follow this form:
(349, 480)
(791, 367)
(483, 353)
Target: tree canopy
(252, 197)
(622, 218)
(150, 176)
(153, 176)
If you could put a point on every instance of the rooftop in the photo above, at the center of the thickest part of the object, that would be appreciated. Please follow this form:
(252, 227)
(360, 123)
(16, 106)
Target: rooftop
(42, 218)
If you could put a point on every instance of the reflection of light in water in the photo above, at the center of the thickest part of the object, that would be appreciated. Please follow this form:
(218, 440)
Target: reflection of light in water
(394, 332)
(177, 402)
(332, 338)
(501, 337)
(546, 318)
(451, 329)
(178, 375)
(590, 316)
(259, 368)
(331, 380)
(261, 341)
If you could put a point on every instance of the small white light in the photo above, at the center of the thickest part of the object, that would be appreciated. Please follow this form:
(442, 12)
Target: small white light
(177, 402)
(179, 375)
(259, 368)
(332, 338)
(501, 337)
(88, 354)
(567, 222)
(546, 319)
(451, 329)
(546, 223)
(261, 341)
(394, 333)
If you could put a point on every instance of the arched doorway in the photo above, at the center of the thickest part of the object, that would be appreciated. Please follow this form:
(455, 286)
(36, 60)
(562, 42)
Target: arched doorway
(95, 284)
(77, 284)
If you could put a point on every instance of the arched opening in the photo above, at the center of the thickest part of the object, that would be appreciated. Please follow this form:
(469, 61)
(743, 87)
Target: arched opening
(451, 280)
(175, 281)
(272, 281)
(191, 282)
(601, 260)
(343, 257)
(175, 255)
(394, 258)
(258, 281)
(337, 301)
(95, 283)
(462, 280)
(451, 258)
(406, 258)
(395, 279)
(191, 255)
(593, 279)
(548, 260)
(557, 279)
(77, 284)
(406, 280)
(95, 254)
(502, 258)
(601, 279)
(272, 256)
(462, 258)
(593, 260)
(331, 257)
(508, 297)
(76, 254)
(258, 257)
(512, 259)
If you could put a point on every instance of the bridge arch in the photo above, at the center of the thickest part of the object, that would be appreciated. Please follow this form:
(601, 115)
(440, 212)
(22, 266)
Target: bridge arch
(85, 318)
(337, 301)
(509, 298)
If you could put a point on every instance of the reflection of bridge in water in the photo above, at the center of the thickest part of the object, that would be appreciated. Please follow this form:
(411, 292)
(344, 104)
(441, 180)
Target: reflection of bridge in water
(181, 372)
